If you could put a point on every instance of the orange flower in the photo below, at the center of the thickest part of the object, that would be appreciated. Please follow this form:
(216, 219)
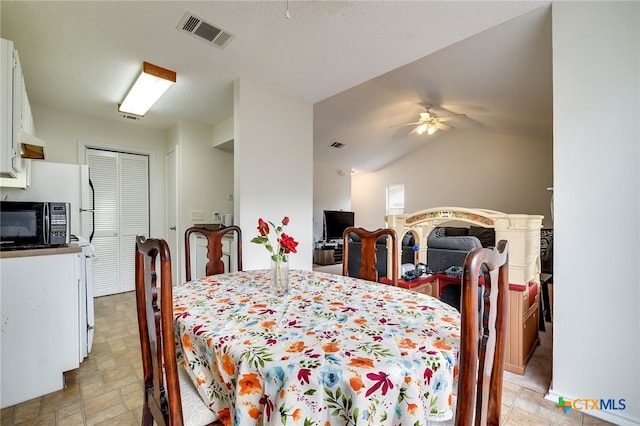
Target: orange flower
(407, 379)
(361, 362)
(448, 319)
(268, 324)
(412, 408)
(360, 321)
(224, 417)
(254, 412)
(356, 383)
(249, 384)
(331, 347)
(259, 305)
(200, 380)
(407, 344)
(296, 414)
(227, 364)
(295, 347)
(442, 345)
(186, 343)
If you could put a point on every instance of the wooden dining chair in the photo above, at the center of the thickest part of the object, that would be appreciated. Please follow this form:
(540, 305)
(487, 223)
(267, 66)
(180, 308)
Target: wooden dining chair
(215, 265)
(369, 253)
(482, 345)
(170, 397)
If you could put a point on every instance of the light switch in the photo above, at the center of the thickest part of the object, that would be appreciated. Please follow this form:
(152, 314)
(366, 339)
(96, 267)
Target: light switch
(197, 215)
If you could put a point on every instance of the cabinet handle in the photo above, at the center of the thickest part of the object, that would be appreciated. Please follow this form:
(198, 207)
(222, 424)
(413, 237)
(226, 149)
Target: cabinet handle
(173, 228)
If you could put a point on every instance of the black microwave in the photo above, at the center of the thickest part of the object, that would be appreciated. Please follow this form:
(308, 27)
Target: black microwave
(28, 224)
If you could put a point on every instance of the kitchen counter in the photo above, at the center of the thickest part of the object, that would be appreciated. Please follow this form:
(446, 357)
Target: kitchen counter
(39, 252)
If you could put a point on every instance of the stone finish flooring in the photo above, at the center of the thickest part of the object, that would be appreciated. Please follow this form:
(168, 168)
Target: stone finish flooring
(107, 388)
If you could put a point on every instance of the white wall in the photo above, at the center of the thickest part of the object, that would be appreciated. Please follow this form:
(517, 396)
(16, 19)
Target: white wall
(64, 132)
(273, 146)
(331, 191)
(204, 182)
(596, 347)
(508, 173)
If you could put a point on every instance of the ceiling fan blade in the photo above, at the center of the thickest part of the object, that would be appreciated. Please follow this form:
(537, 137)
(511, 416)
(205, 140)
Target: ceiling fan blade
(443, 126)
(406, 124)
(451, 117)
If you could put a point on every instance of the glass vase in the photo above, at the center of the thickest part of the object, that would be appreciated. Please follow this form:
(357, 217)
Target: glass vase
(279, 276)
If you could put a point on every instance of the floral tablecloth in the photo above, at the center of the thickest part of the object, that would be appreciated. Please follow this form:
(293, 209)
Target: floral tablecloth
(333, 351)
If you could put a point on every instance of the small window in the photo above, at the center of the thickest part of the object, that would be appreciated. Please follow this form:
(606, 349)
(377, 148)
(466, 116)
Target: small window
(395, 198)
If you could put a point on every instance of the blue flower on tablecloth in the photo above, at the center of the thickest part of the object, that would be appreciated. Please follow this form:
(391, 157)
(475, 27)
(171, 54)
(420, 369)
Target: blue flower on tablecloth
(447, 357)
(330, 377)
(366, 414)
(237, 417)
(332, 358)
(439, 384)
(398, 412)
(276, 376)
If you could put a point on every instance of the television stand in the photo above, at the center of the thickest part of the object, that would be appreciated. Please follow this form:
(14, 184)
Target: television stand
(328, 253)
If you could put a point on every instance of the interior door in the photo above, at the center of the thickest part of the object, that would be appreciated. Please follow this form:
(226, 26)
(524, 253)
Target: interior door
(121, 184)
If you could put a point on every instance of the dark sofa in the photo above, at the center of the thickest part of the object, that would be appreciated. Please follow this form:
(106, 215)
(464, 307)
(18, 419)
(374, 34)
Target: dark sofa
(448, 246)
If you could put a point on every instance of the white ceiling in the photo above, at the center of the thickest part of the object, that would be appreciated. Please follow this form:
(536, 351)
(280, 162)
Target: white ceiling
(366, 65)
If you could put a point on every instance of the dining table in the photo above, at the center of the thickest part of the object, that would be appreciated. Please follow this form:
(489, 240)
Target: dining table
(333, 350)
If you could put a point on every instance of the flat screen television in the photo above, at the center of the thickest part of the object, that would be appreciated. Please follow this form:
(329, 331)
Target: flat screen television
(335, 222)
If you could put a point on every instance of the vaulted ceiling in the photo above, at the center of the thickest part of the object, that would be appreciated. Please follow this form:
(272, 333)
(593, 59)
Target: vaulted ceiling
(365, 65)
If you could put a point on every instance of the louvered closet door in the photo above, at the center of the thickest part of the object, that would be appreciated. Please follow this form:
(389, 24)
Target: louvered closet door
(121, 186)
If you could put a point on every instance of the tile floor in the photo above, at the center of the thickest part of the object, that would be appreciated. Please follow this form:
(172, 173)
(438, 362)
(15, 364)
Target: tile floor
(107, 388)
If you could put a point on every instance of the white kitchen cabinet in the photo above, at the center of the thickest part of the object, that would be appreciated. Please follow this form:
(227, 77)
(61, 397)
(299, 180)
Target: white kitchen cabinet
(10, 110)
(40, 316)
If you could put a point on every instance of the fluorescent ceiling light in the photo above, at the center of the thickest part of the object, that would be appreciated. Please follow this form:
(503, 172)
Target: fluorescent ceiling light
(147, 89)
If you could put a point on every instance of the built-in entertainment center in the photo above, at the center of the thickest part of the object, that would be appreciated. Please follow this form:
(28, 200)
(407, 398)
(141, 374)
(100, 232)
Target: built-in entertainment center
(329, 249)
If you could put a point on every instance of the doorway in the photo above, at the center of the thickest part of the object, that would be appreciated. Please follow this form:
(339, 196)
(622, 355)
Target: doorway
(121, 185)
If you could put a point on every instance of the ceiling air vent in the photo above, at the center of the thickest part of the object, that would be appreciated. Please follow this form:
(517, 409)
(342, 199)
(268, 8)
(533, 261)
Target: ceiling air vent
(203, 30)
(336, 144)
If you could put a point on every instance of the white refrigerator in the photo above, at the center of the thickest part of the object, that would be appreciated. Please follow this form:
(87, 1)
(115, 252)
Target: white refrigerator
(71, 183)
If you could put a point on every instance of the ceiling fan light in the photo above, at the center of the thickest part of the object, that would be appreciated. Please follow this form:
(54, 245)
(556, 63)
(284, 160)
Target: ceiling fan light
(431, 129)
(421, 129)
(150, 85)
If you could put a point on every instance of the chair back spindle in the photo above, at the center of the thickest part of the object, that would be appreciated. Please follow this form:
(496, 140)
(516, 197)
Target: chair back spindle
(368, 255)
(483, 336)
(215, 265)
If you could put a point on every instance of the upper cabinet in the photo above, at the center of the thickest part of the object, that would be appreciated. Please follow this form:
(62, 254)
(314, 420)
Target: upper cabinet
(18, 143)
(10, 110)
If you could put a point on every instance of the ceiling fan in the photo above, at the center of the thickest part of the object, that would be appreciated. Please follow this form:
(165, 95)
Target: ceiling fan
(430, 123)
